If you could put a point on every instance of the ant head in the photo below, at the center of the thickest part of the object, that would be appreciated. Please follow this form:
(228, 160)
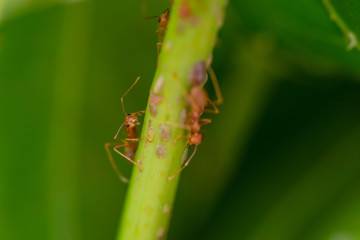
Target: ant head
(163, 19)
(198, 74)
(195, 139)
(131, 121)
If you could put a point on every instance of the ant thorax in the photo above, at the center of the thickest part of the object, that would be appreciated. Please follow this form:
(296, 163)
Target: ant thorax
(195, 127)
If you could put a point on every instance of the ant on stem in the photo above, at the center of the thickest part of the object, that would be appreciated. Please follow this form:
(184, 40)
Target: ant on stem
(163, 20)
(198, 99)
(128, 143)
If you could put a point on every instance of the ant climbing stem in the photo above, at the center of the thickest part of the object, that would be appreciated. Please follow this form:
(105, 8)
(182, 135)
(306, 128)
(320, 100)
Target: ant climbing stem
(128, 143)
(163, 20)
(197, 99)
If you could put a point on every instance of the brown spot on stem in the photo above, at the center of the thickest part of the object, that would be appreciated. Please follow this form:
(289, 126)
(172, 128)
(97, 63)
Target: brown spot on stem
(165, 133)
(183, 116)
(153, 110)
(220, 21)
(158, 84)
(160, 151)
(150, 133)
(179, 99)
(167, 46)
(166, 208)
(154, 100)
(160, 234)
(184, 10)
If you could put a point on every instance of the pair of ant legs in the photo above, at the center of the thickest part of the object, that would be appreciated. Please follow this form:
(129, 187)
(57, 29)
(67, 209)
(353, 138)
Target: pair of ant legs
(113, 164)
(204, 121)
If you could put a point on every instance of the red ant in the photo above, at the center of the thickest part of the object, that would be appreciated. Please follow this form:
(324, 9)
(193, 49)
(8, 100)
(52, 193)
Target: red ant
(128, 143)
(163, 20)
(198, 99)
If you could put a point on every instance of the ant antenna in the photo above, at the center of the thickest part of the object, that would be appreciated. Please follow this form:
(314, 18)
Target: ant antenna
(144, 12)
(122, 98)
(167, 10)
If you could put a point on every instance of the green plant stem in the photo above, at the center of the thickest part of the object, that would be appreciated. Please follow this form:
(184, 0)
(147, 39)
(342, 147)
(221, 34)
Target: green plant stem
(190, 38)
(334, 16)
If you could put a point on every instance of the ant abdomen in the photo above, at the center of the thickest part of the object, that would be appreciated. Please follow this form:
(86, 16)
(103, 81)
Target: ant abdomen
(198, 74)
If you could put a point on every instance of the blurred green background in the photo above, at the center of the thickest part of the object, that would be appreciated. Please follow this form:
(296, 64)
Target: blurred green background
(281, 161)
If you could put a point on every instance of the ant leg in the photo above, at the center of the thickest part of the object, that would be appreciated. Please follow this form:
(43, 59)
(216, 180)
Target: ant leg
(178, 125)
(143, 8)
(158, 45)
(139, 113)
(185, 165)
(203, 132)
(215, 109)
(122, 98)
(137, 139)
(130, 160)
(160, 32)
(218, 93)
(205, 121)
(217, 88)
(180, 138)
(112, 162)
(183, 89)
